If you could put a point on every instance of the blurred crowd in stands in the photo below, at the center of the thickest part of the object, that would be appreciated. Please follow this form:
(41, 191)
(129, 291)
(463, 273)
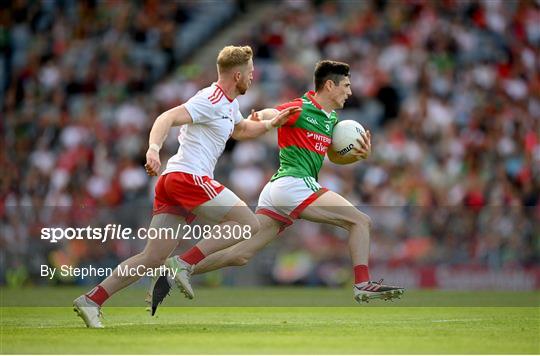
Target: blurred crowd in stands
(450, 90)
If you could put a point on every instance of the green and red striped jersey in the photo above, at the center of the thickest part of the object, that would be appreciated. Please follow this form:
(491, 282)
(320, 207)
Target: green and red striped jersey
(304, 139)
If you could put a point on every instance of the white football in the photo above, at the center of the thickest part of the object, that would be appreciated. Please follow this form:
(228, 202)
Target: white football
(344, 138)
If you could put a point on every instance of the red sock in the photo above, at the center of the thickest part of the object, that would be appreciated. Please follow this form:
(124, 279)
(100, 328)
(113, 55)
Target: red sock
(193, 256)
(98, 295)
(361, 274)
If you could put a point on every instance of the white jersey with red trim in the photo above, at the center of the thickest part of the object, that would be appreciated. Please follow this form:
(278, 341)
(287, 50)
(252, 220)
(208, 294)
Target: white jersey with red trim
(214, 116)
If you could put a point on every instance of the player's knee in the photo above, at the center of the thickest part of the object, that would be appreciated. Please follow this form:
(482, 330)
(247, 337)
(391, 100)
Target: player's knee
(365, 220)
(357, 219)
(254, 225)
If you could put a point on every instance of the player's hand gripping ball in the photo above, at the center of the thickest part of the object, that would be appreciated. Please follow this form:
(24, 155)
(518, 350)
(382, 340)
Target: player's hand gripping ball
(350, 143)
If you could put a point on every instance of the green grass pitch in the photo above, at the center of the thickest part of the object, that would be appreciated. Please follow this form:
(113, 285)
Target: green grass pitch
(275, 321)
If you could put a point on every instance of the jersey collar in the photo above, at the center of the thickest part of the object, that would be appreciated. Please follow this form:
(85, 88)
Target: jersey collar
(223, 91)
(311, 96)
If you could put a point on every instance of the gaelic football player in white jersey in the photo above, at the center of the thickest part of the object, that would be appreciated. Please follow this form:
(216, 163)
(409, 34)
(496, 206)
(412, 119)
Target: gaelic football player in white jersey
(186, 188)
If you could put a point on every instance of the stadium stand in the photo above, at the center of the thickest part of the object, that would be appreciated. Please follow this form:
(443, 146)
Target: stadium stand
(450, 89)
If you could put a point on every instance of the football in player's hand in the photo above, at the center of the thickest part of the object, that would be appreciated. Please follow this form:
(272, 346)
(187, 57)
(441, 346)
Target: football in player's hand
(344, 141)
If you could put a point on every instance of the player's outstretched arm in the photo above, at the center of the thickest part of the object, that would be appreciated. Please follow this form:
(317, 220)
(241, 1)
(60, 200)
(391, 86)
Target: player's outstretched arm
(262, 121)
(174, 117)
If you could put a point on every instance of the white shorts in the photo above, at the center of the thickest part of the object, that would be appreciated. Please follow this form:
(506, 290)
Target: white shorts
(286, 197)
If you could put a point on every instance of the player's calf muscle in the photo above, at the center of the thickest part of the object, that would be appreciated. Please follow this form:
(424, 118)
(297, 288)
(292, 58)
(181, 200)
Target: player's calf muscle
(244, 251)
(156, 252)
(151, 261)
(239, 260)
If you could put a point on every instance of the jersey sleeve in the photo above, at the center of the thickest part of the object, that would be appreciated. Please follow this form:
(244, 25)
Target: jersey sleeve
(200, 109)
(292, 119)
(238, 117)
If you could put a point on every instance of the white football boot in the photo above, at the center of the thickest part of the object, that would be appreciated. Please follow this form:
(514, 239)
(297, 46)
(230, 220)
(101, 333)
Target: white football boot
(182, 278)
(89, 311)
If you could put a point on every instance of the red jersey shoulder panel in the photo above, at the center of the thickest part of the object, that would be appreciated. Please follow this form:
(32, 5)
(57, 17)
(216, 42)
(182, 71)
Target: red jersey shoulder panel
(292, 120)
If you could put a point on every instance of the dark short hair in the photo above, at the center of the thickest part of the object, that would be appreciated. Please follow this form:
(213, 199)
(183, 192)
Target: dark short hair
(329, 70)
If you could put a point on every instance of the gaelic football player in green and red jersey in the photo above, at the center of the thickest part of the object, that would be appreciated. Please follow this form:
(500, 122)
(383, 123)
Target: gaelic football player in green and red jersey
(294, 193)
